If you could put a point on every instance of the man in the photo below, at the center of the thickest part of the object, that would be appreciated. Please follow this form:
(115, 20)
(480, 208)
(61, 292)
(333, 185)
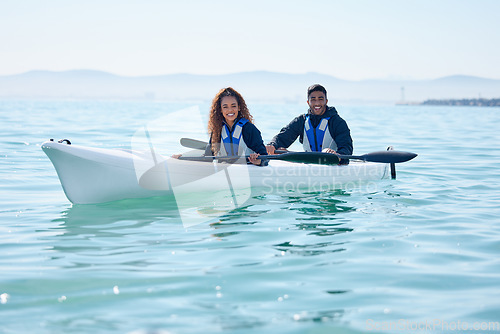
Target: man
(320, 130)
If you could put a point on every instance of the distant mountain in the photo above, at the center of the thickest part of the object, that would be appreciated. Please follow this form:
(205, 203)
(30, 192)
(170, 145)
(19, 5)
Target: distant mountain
(467, 79)
(259, 86)
(67, 74)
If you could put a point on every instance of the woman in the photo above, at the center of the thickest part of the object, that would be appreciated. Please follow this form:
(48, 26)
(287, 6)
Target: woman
(231, 128)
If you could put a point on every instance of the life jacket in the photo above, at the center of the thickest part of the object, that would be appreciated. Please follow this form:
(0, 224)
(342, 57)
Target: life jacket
(318, 138)
(233, 143)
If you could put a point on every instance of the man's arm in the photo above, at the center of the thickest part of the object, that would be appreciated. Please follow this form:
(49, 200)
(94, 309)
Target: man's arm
(342, 136)
(288, 134)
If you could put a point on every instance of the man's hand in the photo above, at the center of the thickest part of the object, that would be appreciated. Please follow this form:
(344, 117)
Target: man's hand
(328, 150)
(270, 149)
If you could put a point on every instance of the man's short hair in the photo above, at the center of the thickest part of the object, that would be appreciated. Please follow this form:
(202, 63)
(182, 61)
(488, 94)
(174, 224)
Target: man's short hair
(315, 88)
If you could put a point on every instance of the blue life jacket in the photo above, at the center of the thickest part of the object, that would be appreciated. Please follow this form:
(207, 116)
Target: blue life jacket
(233, 143)
(318, 138)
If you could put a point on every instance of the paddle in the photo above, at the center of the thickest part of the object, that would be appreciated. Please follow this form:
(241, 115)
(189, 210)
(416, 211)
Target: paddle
(193, 143)
(312, 157)
(322, 158)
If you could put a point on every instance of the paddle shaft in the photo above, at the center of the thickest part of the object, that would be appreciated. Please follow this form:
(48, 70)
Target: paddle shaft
(390, 156)
(298, 157)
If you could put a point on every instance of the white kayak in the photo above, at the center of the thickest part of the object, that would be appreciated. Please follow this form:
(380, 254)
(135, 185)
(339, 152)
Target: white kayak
(92, 175)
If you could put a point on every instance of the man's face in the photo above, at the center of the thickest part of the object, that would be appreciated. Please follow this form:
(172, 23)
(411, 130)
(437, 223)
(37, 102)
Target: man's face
(317, 102)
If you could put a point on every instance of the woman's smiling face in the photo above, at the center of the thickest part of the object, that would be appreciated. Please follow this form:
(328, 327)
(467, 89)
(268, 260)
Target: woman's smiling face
(229, 108)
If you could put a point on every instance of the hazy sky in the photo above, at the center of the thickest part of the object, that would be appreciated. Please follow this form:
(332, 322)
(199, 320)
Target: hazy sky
(349, 39)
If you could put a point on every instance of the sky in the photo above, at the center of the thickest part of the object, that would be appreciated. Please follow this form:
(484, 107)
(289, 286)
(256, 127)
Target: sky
(347, 39)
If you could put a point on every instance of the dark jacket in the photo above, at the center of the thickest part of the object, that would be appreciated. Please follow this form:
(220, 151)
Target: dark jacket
(336, 125)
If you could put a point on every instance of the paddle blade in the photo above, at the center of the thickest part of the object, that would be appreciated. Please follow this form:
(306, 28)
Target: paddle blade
(388, 156)
(193, 143)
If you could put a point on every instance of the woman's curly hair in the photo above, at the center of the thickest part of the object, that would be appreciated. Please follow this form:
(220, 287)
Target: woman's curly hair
(216, 118)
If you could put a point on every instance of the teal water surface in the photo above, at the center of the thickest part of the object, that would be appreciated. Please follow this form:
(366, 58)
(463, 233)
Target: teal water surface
(416, 254)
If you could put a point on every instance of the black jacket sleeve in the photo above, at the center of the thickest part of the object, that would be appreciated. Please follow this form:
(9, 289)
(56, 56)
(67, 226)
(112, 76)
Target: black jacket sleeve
(342, 135)
(253, 138)
(289, 133)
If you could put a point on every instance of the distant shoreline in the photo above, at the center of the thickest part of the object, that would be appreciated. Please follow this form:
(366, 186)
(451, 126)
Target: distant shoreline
(464, 102)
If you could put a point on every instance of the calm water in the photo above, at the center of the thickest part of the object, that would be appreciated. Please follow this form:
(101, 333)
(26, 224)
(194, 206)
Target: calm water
(415, 254)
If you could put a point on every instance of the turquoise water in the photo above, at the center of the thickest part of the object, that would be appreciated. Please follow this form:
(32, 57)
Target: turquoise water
(416, 254)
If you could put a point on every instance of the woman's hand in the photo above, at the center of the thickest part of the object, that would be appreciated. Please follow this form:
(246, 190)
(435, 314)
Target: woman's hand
(176, 156)
(253, 159)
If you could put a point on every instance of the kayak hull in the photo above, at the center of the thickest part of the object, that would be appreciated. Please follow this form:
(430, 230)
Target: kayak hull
(90, 175)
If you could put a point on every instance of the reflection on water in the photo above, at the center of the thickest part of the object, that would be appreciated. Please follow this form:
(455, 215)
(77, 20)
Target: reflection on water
(321, 316)
(246, 212)
(324, 229)
(321, 203)
(318, 210)
(111, 236)
(310, 249)
(321, 213)
(99, 217)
